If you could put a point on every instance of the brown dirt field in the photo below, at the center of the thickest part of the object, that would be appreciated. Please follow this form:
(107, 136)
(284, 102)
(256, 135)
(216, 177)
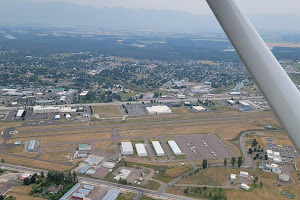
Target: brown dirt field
(180, 110)
(233, 147)
(292, 45)
(105, 146)
(68, 138)
(177, 171)
(257, 194)
(263, 122)
(298, 163)
(214, 176)
(59, 156)
(107, 111)
(56, 132)
(35, 163)
(21, 192)
(59, 126)
(14, 149)
(62, 147)
(5, 125)
(225, 131)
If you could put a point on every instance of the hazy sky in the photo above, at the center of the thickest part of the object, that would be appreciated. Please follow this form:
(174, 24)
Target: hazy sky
(191, 6)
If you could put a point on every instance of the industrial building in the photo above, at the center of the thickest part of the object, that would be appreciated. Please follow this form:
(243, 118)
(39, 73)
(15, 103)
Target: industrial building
(109, 165)
(245, 186)
(175, 148)
(141, 150)
(84, 169)
(158, 149)
(112, 194)
(274, 156)
(159, 110)
(43, 110)
(126, 148)
(73, 189)
(82, 147)
(31, 145)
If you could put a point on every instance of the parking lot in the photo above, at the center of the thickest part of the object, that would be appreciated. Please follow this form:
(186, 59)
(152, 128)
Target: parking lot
(199, 147)
(136, 110)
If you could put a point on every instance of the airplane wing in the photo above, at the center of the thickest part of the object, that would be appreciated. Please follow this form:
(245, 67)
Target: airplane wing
(274, 83)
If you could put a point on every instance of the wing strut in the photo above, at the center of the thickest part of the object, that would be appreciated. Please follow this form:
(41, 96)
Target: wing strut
(276, 86)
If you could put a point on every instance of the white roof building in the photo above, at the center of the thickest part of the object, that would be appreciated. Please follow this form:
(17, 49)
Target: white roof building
(244, 104)
(245, 186)
(158, 110)
(244, 174)
(199, 108)
(176, 150)
(141, 150)
(181, 96)
(47, 109)
(84, 93)
(235, 93)
(109, 165)
(126, 148)
(231, 102)
(20, 113)
(284, 177)
(158, 149)
(232, 177)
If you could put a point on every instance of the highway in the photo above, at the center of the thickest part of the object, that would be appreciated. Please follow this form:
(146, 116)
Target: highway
(139, 191)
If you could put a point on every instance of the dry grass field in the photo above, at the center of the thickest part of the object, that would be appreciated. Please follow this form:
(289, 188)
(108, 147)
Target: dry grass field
(106, 146)
(68, 138)
(21, 192)
(178, 170)
(226, 131)
(14, 149)
(59, 156)
(35, 163)
(107, 111)
(62, 147)
(59, 132)
(48, 127)
(5, 125)
(212, 176)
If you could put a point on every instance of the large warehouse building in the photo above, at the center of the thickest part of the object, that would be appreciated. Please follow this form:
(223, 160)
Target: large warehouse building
(126, 148)
(176, 150)
(141, 150)
(158, 149)
(159, 110)
(47, 109)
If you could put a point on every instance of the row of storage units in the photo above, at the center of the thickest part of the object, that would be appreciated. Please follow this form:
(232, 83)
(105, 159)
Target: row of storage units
(127, 148)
